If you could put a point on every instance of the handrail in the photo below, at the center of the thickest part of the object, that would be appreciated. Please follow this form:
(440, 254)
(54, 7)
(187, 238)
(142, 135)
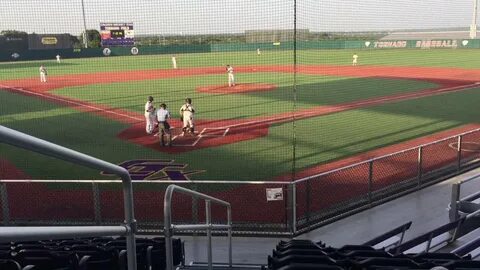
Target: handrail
(43, 147)
(467, 248)
(12, 234)
(400, 229)
(168, 227)
(429, 236)
(146, 181)
(384, 156)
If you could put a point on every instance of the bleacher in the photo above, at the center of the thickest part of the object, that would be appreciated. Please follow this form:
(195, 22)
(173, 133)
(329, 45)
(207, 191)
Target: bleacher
(103, 253)
(305, 254)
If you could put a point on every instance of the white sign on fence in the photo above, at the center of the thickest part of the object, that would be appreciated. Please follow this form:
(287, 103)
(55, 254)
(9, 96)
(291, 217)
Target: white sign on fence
(274, 194)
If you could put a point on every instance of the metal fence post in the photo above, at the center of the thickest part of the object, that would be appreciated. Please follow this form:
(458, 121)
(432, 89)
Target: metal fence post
(455, 197)
(459, 153)
(5, 205)
(208, 221)
(370, 182)
(292, 204)
(97, 206)
(420, 166)
(194, 206)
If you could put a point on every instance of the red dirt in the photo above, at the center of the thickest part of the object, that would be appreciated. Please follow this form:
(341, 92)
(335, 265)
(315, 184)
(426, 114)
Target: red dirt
(239, 88)
(10, 171)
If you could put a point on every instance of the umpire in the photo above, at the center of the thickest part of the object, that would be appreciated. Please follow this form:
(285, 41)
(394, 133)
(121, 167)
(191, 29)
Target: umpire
(163, 127)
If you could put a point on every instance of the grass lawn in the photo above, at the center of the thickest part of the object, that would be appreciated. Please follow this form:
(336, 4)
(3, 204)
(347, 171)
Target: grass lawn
(311, 91)
(319, 139)
(460, 58)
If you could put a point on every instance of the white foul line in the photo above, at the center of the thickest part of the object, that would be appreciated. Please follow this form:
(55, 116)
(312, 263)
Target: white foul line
(69, 101)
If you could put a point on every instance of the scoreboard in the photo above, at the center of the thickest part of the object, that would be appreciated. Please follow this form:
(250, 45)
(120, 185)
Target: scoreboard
(117, 34)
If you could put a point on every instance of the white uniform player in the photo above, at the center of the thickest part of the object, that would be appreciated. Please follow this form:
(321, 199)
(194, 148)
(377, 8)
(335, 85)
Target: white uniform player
(174, 62)
(258, 51)
(58, 58)
(231, 77)
(43, 73)
(186, 112)
(355, 59)
(150, 116)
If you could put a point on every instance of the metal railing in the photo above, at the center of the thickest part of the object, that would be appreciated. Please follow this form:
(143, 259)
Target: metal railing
(128, 229)
(307, 203)
(467, 206)
(169, 228)
(417, 167)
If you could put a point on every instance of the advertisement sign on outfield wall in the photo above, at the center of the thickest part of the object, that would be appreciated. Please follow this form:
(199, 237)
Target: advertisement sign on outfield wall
(420, 44)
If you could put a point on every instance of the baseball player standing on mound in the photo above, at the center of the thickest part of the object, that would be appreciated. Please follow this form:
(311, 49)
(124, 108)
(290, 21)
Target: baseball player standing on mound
(186, 115)
(149, 115)
(231, 77)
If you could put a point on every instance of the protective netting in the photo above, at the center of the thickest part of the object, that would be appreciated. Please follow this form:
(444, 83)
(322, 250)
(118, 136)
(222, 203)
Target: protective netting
(256, 91)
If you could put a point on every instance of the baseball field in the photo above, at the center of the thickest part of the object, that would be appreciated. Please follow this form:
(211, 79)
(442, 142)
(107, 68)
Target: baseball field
(264, 128)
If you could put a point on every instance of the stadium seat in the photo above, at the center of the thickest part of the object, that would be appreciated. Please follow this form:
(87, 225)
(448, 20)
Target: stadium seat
(348, 248)
(9, 265)
(391, 262)
(89, 263)
(293, 251)
(463, 264)
(275, 263)
(44, 259)
(310, 266)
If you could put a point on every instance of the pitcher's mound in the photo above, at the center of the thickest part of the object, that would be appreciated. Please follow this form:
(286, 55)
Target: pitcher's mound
(239, 88)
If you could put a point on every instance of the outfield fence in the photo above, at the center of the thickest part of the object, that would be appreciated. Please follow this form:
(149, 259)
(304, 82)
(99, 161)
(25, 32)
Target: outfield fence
(22, 54)
(297, 206)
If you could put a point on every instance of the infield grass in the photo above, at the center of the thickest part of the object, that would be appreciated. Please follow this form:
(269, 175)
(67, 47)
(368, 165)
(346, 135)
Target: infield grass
(311, 91)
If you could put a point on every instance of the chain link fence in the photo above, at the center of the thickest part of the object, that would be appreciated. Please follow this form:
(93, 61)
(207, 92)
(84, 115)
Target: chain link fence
(268, 208)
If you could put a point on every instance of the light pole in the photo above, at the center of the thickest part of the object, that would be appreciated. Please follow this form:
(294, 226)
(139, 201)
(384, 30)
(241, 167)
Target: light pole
(85, 36)
(473, 27)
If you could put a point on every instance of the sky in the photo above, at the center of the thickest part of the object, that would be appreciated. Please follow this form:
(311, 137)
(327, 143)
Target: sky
(167, 17)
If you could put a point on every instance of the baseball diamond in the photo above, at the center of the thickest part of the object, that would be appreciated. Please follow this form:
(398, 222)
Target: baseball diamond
(146, 135)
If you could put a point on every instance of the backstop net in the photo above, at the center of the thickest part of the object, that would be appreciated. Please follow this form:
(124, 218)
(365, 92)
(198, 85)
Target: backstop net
(258, 92)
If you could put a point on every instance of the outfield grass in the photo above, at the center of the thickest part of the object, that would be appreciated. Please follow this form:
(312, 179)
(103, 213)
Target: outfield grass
(319, 139)
(311, 91)
(461, 58)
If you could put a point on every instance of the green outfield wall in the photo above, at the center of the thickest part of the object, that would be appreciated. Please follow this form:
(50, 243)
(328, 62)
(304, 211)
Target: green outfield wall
(23, 54)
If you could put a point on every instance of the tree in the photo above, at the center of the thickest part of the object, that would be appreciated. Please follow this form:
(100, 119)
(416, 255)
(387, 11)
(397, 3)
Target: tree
(13, 34)
(93, 38)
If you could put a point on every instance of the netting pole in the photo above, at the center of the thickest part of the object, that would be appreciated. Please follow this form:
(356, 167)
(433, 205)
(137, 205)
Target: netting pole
(295, 69)
(473, 27)
(459, 153)
(5, 204)
(85, 36)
